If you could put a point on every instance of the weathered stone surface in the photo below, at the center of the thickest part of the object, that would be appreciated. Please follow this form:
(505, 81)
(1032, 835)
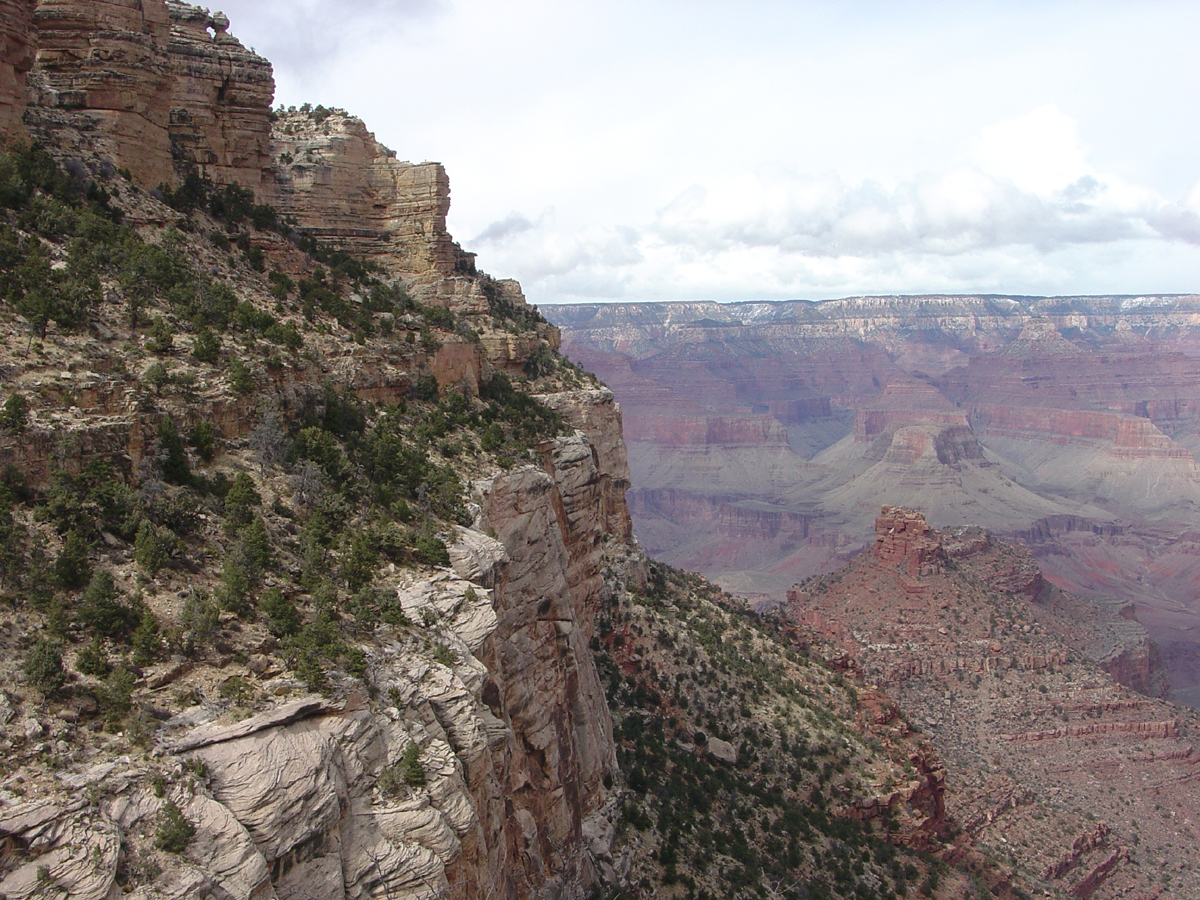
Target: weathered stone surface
(106, 64)
(220, 102)
(17, 50)
(346, 188)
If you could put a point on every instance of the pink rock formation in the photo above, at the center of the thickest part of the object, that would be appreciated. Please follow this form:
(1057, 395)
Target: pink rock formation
(16, 58)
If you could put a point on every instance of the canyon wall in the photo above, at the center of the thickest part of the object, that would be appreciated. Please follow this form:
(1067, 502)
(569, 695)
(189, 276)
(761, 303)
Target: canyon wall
(155, 87)
(511, 722)
(17, 52)
(1001, 411)
(220, 102)
(107, 70)
(346, 188)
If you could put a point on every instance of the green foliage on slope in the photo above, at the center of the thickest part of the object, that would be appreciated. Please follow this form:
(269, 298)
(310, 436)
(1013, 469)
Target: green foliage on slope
(742, 757)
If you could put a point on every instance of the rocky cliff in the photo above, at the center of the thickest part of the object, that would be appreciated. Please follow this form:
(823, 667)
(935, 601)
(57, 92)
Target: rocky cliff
(994, 664)
(344, 186)
(107, 72)
(220, 102)
(457, 743)
(156, 87)
(16, 59)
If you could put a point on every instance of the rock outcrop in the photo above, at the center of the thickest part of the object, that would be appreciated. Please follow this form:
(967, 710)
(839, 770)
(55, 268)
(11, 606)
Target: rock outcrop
(970, 642)
(155, 88)
(220, 102)
(106, 66)
(346, 188)
(17, 50)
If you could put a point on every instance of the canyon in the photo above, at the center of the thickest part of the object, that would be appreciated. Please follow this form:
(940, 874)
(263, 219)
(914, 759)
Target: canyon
(763, 437)
(995, 665)
(320, 576)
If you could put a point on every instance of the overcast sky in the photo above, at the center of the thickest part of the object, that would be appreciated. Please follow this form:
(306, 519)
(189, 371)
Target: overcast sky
(660, 149)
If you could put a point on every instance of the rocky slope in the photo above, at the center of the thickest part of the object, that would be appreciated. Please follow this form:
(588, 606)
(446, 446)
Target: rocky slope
(1057, 771)
(762, 436)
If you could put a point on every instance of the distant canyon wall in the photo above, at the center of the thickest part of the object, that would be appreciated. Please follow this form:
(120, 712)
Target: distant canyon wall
(763, 436)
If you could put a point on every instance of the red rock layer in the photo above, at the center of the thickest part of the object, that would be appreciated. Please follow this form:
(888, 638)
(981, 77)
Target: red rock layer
(1049, 761)
(106, 62)
(1131, 437)
(16, 58)
(902, 536)
(706, 431)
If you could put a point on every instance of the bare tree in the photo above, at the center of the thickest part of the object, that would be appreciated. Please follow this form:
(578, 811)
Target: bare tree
(268, 439)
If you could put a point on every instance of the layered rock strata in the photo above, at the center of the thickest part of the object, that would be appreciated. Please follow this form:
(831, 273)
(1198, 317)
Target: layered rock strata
(346, 188)
(17, 51)
(1002, 411)
(1040, 743)
(512, 729)
(107, 68)
(220, 102)
(157, 88)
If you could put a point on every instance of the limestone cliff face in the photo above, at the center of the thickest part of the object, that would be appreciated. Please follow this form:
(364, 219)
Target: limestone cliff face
(106, 65)
(154, 86)
(343, 186)
(221, 102)
(16, 58)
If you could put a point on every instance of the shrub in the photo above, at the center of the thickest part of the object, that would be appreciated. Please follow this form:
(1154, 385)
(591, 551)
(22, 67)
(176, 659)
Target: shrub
(174, 832)
(14, 415)
(102, 610)
(283, 619)
(411, 767)
(206, 347)
(71, 568)
(162, 336)
(152, 548)
(241, 379)
(43, 667)
(92, 660)
(199, 617)
(240, 502)
(204, 440)
(146, 642)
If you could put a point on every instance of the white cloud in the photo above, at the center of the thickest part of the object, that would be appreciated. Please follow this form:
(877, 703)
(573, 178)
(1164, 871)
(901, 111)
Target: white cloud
(1038, 152)
(775, 149)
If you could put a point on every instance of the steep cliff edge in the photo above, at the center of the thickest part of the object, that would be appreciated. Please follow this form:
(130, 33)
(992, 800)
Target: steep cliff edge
(359, 678)
(220, 102)
(155, 87)
(345, 187)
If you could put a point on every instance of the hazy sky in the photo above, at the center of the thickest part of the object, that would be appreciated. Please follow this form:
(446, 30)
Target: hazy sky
(766, 149)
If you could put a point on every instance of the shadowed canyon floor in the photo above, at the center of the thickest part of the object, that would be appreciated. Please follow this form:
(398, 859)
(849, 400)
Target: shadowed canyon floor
(763, 437)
